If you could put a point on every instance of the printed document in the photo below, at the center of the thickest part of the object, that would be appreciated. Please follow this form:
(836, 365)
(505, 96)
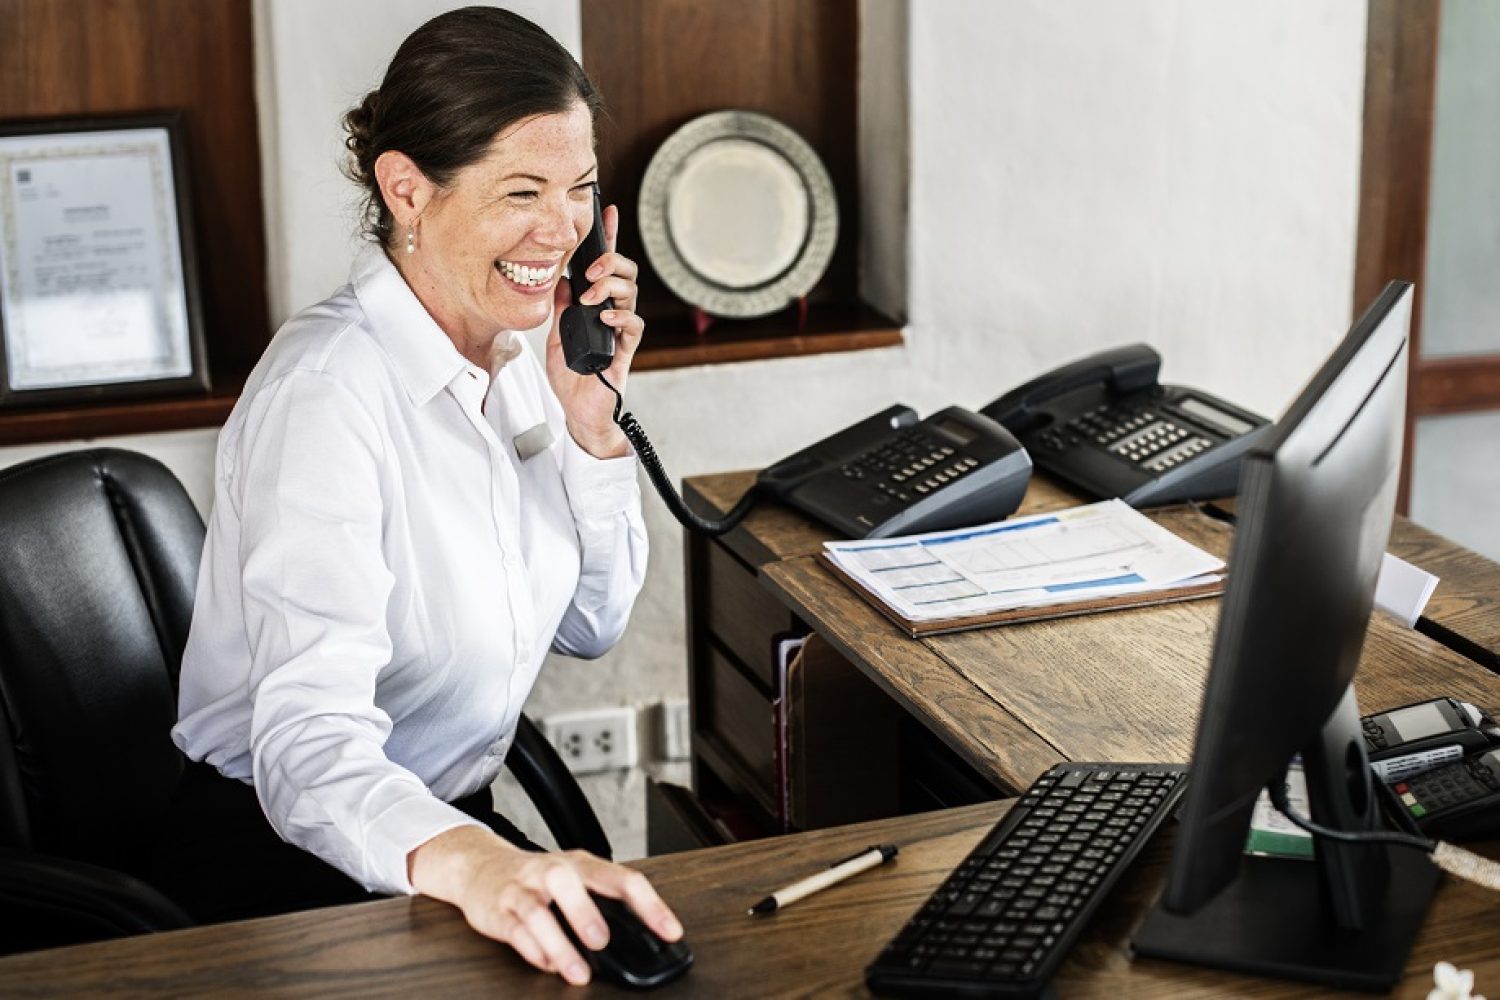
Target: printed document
(1068, 556)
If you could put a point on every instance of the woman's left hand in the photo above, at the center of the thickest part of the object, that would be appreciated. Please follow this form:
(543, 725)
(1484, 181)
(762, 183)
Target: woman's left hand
(588, 405)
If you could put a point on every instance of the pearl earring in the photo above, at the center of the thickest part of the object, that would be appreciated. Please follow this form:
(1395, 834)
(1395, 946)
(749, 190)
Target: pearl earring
(411, 240)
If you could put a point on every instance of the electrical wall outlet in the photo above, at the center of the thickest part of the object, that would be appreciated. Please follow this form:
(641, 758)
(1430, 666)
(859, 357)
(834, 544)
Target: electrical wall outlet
(600, 739)
(676, 736)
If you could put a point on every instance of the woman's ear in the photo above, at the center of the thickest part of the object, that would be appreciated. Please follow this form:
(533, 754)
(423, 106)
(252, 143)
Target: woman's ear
(404, 187)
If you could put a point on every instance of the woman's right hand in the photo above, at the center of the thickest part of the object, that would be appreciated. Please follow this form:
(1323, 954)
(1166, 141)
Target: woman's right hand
(505, 892)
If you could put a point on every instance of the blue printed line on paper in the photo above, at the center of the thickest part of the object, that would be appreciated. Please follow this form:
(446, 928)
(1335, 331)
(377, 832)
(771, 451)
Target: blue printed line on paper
(998, 529)
(1114, 581)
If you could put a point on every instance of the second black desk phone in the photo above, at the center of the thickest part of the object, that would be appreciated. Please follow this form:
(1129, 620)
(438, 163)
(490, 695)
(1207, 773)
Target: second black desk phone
(1104, 425)
(891, 474)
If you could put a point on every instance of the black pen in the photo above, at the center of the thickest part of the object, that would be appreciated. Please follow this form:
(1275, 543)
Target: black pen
(877, 854)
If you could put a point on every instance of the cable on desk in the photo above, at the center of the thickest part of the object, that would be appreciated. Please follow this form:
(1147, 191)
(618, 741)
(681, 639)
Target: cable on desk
(1454, 860)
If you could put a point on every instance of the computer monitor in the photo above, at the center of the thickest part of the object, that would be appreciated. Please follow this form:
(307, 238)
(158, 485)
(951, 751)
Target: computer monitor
(1316, 501)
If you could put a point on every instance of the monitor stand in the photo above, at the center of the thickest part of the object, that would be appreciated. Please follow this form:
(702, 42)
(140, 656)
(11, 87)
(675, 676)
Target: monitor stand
(1347, 918)
(1274, 921)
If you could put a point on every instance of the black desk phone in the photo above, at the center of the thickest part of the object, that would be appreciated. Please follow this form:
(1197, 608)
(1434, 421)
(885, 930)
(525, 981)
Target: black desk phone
(892, 474)
(1104, 425)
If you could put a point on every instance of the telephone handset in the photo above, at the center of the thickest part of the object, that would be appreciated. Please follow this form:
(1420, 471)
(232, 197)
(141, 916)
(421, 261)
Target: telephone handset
(588, 342)
(1104, 425)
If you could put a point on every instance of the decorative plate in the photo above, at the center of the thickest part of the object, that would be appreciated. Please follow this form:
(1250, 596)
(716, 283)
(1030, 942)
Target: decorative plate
(737, 214)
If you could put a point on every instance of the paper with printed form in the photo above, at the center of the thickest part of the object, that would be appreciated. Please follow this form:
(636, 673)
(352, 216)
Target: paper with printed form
(1073, 556)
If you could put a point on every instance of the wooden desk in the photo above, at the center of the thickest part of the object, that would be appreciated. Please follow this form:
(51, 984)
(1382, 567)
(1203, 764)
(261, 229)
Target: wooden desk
(1464, 612)
(1123, 686)
(819, 947)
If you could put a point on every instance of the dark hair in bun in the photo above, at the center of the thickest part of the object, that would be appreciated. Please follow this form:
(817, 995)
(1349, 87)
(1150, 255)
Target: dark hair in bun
(455, 83)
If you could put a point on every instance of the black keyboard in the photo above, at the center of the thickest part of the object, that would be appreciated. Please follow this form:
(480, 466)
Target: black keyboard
(1005, 918)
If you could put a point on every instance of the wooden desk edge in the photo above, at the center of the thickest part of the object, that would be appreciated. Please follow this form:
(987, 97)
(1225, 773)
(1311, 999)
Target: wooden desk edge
(817, 947)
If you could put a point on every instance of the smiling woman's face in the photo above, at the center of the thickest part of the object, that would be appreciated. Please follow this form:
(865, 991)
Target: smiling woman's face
(492, 245)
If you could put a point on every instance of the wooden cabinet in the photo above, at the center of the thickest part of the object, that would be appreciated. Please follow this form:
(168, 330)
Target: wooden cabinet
(817, 744)
(810, 744)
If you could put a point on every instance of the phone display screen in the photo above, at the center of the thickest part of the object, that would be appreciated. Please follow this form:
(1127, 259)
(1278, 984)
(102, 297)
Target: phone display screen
(954, 429)
(1419, 722)
(1198, 408)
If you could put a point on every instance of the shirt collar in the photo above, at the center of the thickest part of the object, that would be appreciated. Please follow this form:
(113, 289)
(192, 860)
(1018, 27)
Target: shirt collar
(425, 358)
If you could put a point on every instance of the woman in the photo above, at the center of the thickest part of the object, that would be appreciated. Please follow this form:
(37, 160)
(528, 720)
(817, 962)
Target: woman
(408, 512)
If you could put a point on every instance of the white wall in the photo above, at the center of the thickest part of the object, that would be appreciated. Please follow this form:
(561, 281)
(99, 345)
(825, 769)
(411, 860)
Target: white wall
(1182, 172)
(189, 454)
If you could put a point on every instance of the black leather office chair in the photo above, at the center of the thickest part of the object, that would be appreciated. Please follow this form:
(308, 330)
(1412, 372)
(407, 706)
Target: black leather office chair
(98, 563)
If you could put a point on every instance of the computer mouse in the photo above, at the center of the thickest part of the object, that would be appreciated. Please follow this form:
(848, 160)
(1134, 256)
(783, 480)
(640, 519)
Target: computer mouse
(634, 957)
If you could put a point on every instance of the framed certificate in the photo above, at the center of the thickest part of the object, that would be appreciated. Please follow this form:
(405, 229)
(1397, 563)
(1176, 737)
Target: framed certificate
(98, 277)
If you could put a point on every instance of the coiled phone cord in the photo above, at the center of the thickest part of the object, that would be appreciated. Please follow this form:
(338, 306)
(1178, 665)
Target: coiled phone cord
(1454, 860)
(663, 483)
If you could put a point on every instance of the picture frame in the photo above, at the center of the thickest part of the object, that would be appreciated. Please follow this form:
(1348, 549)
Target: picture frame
(99, 294)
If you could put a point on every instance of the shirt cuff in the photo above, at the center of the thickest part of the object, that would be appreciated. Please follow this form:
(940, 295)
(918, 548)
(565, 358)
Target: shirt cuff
(401, 829)
(599, 487)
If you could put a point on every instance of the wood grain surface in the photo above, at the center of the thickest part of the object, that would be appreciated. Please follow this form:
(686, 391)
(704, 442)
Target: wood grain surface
(1119, 686)
(1465, 607)
(818, 947)
(1467, 599)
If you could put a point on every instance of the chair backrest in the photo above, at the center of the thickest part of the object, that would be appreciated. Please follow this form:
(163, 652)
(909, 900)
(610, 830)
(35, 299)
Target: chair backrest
(99, 558)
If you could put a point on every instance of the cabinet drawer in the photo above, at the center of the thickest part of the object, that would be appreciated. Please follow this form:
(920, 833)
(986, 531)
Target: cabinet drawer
(742, 614)
(738, 719)
(676, 820)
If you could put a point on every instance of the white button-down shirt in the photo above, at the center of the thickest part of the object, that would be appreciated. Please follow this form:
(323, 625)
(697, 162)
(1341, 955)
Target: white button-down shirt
(384, 573)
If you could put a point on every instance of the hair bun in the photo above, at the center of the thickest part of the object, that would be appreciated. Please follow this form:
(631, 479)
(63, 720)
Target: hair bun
(359, 123)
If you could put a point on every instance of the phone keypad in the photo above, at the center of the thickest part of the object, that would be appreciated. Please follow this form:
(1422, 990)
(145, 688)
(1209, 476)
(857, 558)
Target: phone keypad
(1145, 438)
(911, 465)
(1448, 786)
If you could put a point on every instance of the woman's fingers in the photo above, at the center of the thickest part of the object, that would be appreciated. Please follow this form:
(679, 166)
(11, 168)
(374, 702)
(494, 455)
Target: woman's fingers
(613, 263)
(628, 326)
(621, 290)
(565, 886)
(636, 890)
(525, 945)
(538, 920)
(528, 902)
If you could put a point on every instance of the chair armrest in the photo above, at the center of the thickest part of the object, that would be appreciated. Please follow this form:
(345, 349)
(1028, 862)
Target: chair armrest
(49, 901)
(555, 792)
